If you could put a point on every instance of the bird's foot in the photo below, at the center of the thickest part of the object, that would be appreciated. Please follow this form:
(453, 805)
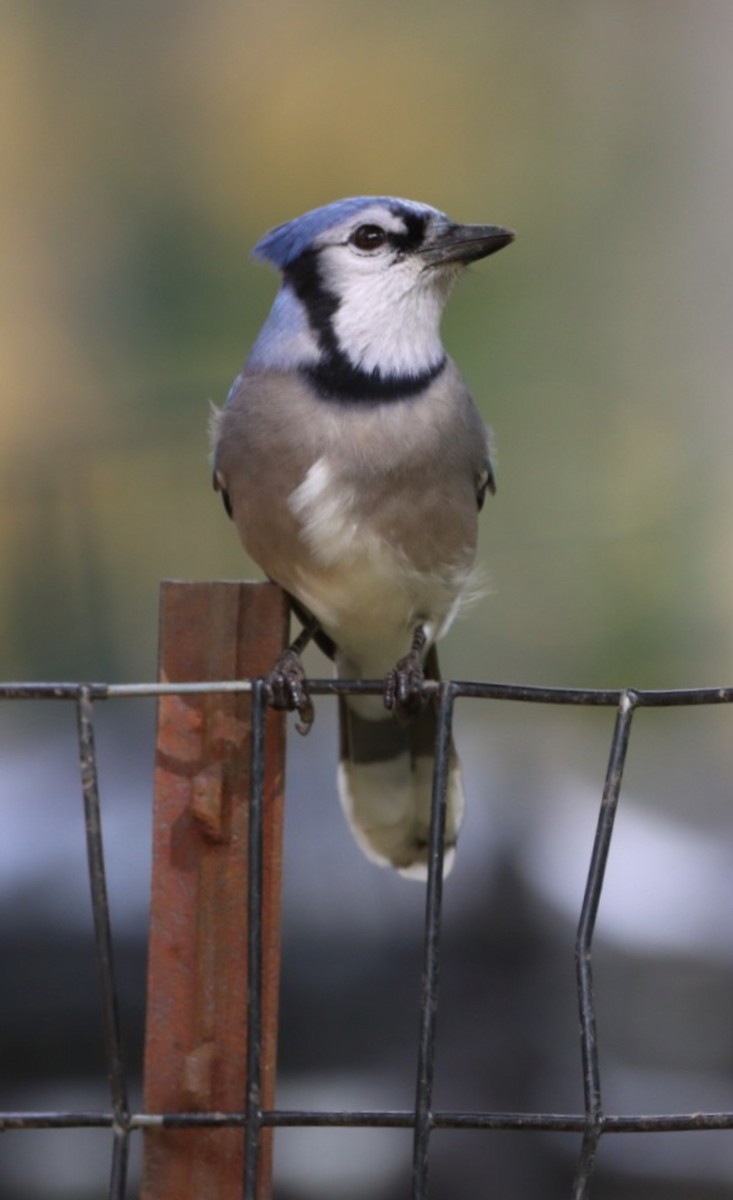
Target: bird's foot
(287, 689)
(403, 687)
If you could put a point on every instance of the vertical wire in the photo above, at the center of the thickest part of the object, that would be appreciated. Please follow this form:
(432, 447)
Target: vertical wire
(583, 945)
(431, 956)
(253, 1109)
(120, 1160)
(103, 944)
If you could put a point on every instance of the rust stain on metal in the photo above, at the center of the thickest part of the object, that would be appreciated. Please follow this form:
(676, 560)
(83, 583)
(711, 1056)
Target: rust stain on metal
(198, 1075)
(207, 802)
(196, 1041)
(180, 726)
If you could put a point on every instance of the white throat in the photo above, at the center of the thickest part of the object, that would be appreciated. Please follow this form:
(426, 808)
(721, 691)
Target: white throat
(390, 321)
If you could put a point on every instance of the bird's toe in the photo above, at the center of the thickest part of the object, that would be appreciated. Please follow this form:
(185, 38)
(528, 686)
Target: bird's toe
(403, 687)
(287, 689)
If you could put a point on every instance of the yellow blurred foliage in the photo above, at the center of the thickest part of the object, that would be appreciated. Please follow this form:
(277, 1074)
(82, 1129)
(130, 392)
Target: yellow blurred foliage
(145, 148)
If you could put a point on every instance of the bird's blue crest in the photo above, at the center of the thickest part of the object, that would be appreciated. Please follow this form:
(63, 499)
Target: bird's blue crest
(287, 242)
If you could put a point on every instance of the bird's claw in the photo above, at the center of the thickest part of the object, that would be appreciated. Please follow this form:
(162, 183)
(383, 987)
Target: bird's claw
(287, 689)
(403, 687)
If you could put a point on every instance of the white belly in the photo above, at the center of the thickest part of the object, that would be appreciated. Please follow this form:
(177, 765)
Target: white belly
(366, 593)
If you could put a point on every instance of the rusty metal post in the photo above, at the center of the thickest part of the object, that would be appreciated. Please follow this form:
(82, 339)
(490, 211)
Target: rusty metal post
(196, 1038)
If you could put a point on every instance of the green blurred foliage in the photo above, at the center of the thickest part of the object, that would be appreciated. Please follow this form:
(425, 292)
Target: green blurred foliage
(146, 146)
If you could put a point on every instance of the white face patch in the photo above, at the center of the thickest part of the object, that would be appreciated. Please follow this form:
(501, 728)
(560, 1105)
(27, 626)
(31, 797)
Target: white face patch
(389, 319)
(390, 306)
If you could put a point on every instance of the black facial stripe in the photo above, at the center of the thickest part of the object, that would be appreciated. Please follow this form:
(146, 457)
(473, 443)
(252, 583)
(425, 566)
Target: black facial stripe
(304, 277)
(414, 234)
(335, 379)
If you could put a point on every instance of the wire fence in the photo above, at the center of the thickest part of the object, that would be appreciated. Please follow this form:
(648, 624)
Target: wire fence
(592, 1123)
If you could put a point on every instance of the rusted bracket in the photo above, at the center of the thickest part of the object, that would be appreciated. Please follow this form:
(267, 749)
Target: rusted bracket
(196, 1035)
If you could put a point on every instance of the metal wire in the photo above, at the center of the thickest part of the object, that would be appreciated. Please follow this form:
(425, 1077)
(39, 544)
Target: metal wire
(254, 945)
(103, 941)
(592, 1124)
(433, 906)
(586, 927)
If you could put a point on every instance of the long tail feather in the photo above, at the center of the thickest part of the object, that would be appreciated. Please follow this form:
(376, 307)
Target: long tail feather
(385, 784)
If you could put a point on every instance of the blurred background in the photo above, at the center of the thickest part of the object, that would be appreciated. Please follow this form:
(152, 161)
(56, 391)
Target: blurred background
(145, 148)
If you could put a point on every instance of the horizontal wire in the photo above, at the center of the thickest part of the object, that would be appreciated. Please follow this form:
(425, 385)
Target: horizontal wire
(376, 1118)
(467, 689)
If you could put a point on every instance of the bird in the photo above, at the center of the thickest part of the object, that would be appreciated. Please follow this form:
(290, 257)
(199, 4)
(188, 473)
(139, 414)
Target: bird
(354, 462)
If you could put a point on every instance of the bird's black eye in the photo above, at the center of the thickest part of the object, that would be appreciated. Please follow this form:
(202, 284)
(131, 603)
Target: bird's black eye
(368, 237)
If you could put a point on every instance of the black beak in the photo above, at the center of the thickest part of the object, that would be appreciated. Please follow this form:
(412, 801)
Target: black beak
(465, 244)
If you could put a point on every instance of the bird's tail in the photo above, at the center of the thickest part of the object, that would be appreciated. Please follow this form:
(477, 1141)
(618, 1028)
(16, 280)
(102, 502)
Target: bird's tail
(385, 784)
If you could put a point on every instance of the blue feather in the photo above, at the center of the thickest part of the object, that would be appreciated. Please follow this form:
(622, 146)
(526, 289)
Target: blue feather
(287, 242)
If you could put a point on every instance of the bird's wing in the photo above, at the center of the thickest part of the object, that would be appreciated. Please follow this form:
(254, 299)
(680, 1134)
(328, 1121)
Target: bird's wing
(486, 482)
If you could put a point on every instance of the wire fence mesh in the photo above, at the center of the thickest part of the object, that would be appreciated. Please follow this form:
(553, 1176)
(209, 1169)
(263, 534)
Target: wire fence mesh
(592, 1124)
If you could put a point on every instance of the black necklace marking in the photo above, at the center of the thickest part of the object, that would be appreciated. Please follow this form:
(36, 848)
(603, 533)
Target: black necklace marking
(334, 377)
(305, 279)
(338, 380)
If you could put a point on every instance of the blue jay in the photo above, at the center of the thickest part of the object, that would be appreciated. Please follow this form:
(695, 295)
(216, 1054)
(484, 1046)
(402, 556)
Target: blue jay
(354, 462)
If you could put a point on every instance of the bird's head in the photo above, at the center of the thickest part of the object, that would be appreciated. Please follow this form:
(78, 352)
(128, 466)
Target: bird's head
(365, 280)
